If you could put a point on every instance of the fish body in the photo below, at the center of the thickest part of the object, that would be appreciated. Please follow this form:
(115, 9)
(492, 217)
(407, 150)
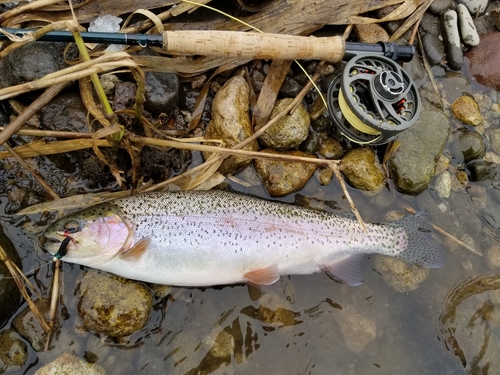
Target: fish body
(215, 238)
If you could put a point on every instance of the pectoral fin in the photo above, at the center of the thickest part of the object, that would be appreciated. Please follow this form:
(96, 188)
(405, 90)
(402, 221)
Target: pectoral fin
(347, 269)
(264, 276)
(136, 251)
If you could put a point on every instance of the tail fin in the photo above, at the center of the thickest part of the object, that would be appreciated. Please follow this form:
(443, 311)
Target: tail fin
(422, 249)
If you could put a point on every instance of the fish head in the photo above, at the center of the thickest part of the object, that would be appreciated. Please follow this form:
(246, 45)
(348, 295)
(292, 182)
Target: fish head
(96, 235)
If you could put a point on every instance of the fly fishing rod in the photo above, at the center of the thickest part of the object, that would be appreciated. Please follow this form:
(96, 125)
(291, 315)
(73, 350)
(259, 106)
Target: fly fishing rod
(372, 101)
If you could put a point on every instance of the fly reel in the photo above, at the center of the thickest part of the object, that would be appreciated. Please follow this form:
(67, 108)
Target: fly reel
(373, 100)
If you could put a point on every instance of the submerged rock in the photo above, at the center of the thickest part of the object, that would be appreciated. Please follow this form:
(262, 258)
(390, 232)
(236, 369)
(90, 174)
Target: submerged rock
(10, 298)
(362, 170)
(468, 145)
(28, 326)
(400, 275)
(358, 329)
(231, 122)
(290, 130)
(466, 110)
(282, 178)
(413, 164)
(112, 305)
(70, 364)
(13, 351)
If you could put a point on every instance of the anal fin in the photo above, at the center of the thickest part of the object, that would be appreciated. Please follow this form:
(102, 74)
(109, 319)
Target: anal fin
(136, 251)
(264, 276)
(347, 269)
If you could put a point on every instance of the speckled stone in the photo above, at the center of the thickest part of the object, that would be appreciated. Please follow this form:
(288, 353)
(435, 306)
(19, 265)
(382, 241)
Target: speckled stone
(361, 169)
(449, 27)
(466, 110)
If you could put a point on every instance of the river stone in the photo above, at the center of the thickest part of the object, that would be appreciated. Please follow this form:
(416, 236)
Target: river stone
(413, 164)
(362, 170)
(113, 305)
(475, 7)
(331, 149)
(439, 6)
(311, 144)
(13, 351)
(466, 110)
(282, 178)
(434, 48)
(371, 33)
(454, 53)
(495, 140)
(28, 326)
(10, 298)
(358, 329)
(481, 170)
(162, 92)
(468, 30)
(442, 185)
(231, 122)
(68, 364)
(468, 145)
(400, 275)
(483, 60)
(31, 62)
(66, 112)
(290, 130)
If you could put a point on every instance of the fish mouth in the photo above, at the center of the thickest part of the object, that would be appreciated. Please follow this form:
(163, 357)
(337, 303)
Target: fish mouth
(50, 242)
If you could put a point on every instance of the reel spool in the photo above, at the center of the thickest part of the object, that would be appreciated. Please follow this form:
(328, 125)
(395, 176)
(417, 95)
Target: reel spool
(373, 100)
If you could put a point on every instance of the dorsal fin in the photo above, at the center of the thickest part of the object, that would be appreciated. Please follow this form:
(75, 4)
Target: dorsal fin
(136, 251)
(347, 269)
(264, 276)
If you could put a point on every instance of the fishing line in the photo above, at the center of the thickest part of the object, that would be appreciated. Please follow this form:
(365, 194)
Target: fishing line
(61, 252)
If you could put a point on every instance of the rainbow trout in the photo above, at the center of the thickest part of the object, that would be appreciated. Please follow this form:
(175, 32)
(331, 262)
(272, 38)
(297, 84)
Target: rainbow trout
(205, 238)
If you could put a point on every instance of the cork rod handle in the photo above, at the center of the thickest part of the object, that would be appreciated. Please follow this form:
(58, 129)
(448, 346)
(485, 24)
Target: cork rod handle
(253, 45)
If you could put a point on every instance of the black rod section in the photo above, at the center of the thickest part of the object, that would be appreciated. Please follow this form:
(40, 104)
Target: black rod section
(390, 50)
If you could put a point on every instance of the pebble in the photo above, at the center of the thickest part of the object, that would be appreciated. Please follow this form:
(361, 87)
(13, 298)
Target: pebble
(70, 364)
(231, 122)
(290, 130)
(468, 145)
(475, 7)
(281, 178)
(331, 149)
(362, 170)
(434, 49)
(454, 53)
(481, 170)
(442, 185)
(468, 30)
(402, 276)
(325, 176)
(371, 33)
(66, 112)
(439, 6)
(466, 110)
(13, 351)
(162, 92)
(358, 329)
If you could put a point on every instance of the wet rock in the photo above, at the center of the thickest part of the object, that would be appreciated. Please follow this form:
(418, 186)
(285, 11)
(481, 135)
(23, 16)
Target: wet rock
(331, 149)
(362, 170)
(439, 6)
(434, 49)
(13, 351)
(159, 163)
(290, 130)
(442, 185)
(468, 145)
(475, 7)
(311, 144)
(112, 305)
(257, 80)
(493, 256)
(430, 23)
(481, 170)
(10, 298)
(358, 329)
(19, 66)
(65, 112)
(413, 164)
(449, 26)
(124, 95)
(466, 110)
(325, 176)
(495, 15)
(484, 59)
(162, 92)
(281, 178)
(27, 325)
(371, 33)
(231, 122)
(70, 364)
(322, 124)
(290, 88)
(468, 30)
(400, 275)
(495, 140)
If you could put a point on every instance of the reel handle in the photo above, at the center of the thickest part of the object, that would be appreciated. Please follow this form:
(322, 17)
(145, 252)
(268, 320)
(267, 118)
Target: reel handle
(253, 45)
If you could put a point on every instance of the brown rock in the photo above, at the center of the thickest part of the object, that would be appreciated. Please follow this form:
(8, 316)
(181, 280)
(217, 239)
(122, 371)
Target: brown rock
(484, 59)
(466, 110)
(361, 169)
(282, 178)
(372, 33)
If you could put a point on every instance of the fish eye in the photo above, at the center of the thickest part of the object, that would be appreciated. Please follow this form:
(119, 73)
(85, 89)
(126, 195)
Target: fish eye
(71, 227)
